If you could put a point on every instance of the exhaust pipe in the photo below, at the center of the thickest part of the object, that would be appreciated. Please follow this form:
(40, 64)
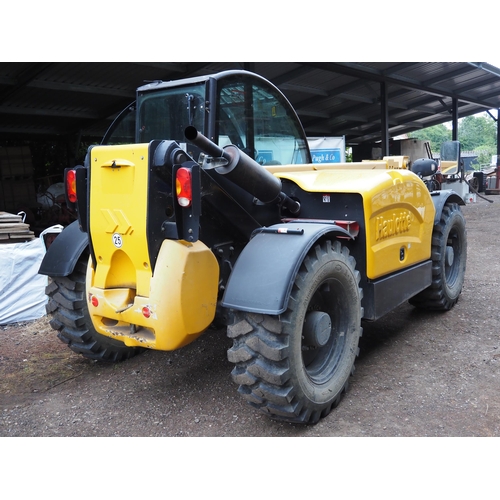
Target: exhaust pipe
(244, 171)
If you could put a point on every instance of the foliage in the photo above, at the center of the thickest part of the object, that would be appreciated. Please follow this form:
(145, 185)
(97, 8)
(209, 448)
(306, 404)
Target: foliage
(348, 154)
(475, 133)
(436, 135)
(484, 156)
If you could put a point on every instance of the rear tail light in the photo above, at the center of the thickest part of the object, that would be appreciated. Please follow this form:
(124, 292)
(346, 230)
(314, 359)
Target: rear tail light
(183, 187)
(71, 185)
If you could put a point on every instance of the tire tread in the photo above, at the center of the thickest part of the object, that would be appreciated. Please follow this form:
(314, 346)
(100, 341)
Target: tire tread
(67, 309)
(260, 351)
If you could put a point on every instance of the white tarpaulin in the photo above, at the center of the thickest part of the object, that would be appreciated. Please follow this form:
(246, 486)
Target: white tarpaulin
(22, 295)
(327, 149)
(22, 289)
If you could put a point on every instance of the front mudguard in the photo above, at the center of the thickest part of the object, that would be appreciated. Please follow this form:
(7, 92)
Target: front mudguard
(440, 198)
(263, 276)
(64, 252)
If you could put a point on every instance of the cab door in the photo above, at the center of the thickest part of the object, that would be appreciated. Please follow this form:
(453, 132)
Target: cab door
(255, 116)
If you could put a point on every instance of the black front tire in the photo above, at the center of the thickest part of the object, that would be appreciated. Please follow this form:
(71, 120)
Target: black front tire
(287, 368)
(449, 258)
(67, 307)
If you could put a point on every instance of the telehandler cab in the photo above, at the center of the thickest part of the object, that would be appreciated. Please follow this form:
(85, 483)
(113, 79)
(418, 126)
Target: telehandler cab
(202, 206)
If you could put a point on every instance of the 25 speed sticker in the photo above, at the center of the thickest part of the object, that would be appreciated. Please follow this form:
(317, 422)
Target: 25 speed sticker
(117, 240)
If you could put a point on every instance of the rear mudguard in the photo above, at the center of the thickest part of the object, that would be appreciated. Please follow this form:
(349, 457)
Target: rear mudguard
(64, 252)
(440, 198)
(265, 271)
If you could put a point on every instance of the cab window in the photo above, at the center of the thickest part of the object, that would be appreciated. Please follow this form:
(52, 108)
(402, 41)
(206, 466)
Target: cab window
(255, 118)
(164, 115)
(122, 130)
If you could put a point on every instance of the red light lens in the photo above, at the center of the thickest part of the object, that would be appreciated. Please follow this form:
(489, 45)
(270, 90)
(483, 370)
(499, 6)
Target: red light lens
(183, 187)
(146, 311)
(71, 185)
(94, 301)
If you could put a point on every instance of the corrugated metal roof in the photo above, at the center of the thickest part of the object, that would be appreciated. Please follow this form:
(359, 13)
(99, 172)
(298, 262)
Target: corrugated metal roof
(332, 99)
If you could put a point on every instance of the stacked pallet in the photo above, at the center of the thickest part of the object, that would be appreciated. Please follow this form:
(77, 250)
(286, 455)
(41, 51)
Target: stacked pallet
(13, 229)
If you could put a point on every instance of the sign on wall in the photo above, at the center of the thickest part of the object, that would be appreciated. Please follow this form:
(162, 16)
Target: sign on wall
(327, 149)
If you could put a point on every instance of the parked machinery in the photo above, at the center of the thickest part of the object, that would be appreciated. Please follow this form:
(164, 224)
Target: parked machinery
(203, 207)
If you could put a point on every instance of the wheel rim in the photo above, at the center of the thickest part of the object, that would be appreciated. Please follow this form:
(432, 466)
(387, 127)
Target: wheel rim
(451, 259)
(321, 361)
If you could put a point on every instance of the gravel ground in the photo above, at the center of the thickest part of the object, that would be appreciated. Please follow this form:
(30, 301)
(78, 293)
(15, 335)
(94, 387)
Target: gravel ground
(419, 374)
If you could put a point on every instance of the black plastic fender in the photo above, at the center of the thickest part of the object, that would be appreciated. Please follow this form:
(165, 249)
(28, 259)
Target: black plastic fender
(441, 197)
(264, 273)
(62, 255)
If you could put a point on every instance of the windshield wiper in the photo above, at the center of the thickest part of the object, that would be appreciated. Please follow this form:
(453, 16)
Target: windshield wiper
(190, 108)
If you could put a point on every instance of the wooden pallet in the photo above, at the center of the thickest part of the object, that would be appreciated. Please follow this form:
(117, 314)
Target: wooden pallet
(13, 229)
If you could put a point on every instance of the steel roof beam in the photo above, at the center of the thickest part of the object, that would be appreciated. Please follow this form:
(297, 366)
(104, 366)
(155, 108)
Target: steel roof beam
(370, 73)
(23, 79)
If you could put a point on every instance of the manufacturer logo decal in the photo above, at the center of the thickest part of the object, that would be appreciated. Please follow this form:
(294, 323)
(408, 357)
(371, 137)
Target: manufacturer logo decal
(390, 226)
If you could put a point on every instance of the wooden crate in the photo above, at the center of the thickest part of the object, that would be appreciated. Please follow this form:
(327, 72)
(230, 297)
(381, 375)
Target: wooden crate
(13, 229)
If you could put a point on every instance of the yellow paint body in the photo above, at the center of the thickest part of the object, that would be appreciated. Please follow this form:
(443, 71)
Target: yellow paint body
(163, 310)
(398, 208)
(170, 307)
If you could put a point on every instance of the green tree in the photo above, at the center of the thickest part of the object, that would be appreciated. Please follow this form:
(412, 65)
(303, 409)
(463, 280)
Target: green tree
(476, 131)
(484, 156)
(436, 135)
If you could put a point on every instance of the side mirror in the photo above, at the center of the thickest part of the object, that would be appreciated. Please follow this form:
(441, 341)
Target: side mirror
(450, 157)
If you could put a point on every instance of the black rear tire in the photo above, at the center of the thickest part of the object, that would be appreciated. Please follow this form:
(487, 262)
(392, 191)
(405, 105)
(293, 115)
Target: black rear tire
(287, 368)
(67, 307)
(449, 258)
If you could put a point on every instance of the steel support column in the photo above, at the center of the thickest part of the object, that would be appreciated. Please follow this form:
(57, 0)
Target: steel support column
(496, 189)
(454, 130)
(384, 122)
(497, 185)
